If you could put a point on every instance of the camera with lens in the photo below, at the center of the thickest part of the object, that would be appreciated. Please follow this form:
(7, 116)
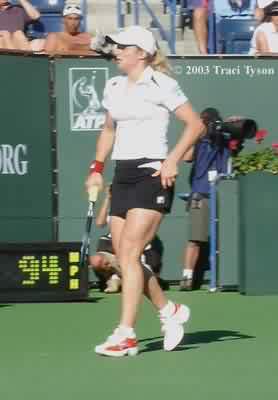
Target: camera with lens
(102, 46)
(220, 132)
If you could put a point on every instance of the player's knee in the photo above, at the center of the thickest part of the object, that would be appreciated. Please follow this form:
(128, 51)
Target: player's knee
(129, 252)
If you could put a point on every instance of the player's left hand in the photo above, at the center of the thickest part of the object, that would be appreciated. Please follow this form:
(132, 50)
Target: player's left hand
(168, 173)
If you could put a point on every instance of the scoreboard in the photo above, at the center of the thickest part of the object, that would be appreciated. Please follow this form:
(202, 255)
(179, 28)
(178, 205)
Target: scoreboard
(42, 272)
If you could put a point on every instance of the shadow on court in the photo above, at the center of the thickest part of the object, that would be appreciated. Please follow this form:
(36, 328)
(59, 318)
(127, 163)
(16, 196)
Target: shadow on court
(94, 299)
(89, 300)
(196, 338)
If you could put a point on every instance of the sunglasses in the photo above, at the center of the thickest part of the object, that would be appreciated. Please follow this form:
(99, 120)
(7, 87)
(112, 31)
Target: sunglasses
(73, 8)
(123, 46)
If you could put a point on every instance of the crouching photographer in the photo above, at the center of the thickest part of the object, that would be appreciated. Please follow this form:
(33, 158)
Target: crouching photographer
(108, 270)
(213, 152)
(105, 263)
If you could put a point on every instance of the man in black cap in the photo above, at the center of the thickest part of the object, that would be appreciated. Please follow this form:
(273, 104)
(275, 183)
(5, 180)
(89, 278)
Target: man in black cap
(207, 155)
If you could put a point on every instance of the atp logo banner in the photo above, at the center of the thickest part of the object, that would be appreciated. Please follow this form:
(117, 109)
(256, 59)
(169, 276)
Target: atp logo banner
(86, 87)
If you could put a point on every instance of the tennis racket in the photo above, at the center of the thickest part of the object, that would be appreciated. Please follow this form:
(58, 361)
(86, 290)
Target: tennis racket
(84, 252)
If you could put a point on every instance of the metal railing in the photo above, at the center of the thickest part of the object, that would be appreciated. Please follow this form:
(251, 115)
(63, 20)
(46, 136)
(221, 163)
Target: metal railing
(214, 179)
(137, 5)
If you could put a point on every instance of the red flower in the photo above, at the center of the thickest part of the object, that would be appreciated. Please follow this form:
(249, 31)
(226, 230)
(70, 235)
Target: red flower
(233, 144)
(260, 135)
(275, 146)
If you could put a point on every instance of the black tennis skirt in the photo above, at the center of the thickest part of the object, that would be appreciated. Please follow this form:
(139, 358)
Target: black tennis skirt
(135, 187)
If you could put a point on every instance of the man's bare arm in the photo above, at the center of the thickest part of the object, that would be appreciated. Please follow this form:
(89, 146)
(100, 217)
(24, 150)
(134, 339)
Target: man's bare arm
(188, 156)
(31, 11)
(261, 43)
(51, 44)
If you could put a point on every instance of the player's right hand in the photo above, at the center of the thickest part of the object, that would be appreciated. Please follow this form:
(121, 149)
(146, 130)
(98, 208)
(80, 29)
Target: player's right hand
(94, 179)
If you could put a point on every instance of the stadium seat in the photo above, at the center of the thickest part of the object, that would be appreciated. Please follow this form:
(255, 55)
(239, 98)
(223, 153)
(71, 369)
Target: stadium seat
(233, 35)
(49, 6)
(237, 43)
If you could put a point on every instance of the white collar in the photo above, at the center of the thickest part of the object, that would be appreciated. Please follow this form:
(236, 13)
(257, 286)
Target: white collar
(146, 76)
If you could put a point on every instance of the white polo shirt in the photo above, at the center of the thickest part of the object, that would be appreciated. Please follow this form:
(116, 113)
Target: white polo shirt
(141, 113)
(271, 34)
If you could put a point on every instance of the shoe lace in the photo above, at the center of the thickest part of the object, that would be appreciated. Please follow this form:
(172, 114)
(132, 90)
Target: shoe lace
(166, 322)
(115, 337)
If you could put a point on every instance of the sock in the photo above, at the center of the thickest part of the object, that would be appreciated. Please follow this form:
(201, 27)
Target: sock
(127, 331)
(168, 310)
(187, 273)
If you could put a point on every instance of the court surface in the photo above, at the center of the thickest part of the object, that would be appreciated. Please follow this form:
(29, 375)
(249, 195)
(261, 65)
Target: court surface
(230, 351)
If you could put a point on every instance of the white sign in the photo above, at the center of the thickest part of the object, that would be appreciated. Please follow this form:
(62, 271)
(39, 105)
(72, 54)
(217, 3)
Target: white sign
(86, 87)
(13, 159)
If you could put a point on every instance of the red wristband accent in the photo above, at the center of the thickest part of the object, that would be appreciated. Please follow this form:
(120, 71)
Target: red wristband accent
(97, 166)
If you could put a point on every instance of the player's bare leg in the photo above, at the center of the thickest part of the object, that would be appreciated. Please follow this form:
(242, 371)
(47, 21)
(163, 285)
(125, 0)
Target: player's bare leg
(133, 234)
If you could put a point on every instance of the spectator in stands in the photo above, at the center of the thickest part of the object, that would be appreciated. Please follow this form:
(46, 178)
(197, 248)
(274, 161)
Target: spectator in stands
(13, 22)
(237, 9)
(71, 40)
(201, 9)
(265, 37)
(222, 8)
(242, 6)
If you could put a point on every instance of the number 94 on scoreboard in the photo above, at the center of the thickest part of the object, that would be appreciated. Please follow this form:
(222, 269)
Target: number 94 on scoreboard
(42, 272)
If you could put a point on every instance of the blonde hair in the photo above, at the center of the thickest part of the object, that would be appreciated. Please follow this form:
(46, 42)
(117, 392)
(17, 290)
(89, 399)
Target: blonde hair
(159, 62)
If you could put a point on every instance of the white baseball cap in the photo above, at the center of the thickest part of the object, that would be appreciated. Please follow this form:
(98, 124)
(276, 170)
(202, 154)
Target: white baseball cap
(72, 9)
(264, 3)
(272, 9)
(135, 36)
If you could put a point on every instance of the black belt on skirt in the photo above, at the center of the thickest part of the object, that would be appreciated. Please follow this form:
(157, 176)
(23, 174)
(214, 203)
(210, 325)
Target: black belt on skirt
(129, 171)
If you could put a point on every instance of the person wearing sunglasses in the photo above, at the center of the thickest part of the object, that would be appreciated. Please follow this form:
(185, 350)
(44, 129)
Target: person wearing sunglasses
(71, 40)
(138, 105)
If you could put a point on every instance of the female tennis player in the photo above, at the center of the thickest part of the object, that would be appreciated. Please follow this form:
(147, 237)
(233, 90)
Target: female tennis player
(138, 105)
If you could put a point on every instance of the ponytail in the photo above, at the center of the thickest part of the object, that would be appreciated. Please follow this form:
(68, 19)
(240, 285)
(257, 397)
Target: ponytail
(159, 62)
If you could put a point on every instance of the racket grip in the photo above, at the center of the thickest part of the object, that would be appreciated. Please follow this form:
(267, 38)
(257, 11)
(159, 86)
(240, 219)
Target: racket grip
(93, 193)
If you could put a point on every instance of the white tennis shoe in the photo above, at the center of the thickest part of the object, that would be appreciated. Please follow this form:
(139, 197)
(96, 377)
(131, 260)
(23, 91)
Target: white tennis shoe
(118, 345)
(172, 327)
